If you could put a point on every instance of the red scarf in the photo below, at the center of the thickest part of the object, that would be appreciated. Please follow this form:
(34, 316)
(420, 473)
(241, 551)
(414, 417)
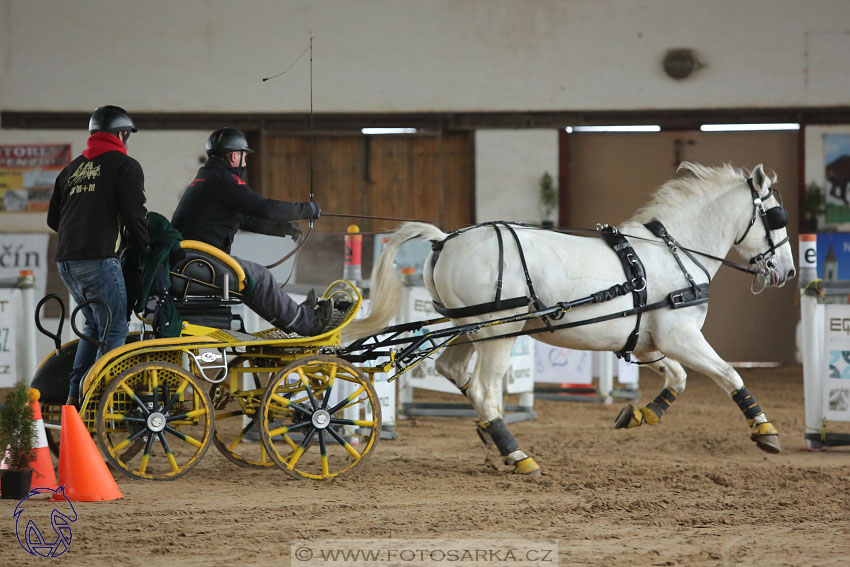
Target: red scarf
(102, 142)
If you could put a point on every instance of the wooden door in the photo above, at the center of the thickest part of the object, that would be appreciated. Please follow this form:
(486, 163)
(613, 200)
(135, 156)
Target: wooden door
(423, 177)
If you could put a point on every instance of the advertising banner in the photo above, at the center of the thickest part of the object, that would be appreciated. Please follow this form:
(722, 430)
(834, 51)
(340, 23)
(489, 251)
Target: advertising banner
(27, 174)
(836, 378)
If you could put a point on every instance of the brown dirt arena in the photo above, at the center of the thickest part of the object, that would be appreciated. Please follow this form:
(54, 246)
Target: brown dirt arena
(691, 491)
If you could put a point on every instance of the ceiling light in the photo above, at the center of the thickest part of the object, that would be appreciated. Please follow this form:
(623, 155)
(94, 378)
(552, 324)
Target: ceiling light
(749, 127)
(373, 131)
(630, 128)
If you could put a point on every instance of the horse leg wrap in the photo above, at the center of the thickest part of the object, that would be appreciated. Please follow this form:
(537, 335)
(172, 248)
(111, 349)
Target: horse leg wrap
(655, 409)
(748, 405)
(501, 436)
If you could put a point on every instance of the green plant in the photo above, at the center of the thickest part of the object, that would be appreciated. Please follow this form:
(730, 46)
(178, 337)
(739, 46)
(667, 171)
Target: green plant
(548, 194)
(18, 434)
(813, 201)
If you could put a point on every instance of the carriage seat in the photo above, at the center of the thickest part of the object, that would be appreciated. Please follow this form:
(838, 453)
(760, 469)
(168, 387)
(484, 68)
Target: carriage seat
(205, 283)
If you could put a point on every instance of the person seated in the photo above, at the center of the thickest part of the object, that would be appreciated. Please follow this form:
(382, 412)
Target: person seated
(218, 202)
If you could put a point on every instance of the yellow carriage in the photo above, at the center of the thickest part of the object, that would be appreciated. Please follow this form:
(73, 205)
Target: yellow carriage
(155, 405)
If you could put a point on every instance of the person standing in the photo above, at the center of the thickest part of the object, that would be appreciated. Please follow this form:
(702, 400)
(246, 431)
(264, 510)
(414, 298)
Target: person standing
(218, 202)
(94, 197)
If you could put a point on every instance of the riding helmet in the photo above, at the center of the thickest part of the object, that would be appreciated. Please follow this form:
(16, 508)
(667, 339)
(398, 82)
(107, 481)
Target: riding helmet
(226, 140)
(112, 119)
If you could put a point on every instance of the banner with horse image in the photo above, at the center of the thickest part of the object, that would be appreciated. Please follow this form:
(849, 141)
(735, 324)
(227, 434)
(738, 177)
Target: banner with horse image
(27, 174)
(836, 379)
(836, 153)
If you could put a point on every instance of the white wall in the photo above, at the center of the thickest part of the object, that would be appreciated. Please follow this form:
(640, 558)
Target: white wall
(169, 160)
(414, 55)
(508, 168)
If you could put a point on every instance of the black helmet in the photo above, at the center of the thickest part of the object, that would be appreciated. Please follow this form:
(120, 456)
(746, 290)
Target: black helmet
(227, 140)
(112, 119)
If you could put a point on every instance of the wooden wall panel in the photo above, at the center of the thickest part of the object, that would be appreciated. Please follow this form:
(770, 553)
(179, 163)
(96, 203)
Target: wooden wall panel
(418, 177)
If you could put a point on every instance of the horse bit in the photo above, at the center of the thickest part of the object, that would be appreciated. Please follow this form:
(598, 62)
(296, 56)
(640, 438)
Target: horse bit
(773, 218)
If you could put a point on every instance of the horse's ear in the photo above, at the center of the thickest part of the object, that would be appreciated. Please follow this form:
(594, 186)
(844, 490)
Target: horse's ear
(759, 179)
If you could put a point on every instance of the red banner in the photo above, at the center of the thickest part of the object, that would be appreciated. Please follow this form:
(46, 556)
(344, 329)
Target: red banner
(29, 156)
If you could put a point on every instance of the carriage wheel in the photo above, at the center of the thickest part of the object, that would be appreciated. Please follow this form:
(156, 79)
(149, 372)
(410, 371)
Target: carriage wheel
(162, 406)
(237, 433)
(319, 417)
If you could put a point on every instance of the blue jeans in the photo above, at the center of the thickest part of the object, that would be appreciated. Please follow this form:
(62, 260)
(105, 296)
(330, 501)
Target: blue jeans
(100, 278)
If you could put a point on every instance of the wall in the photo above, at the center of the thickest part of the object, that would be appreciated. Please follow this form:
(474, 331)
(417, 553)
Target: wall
(508, 167)
(169, 160)
(408, 55)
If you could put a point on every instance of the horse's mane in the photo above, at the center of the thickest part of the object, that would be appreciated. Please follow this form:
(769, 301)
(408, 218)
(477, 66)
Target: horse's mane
(679, 194)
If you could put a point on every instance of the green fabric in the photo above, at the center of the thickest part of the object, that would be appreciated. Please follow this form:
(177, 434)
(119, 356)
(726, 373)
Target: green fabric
(150, 271)
(164, 240)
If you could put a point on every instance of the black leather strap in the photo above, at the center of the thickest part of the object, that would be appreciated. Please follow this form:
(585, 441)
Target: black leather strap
(635, 275)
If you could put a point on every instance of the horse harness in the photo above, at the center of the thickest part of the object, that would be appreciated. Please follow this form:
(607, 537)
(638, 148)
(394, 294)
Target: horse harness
(635, 284)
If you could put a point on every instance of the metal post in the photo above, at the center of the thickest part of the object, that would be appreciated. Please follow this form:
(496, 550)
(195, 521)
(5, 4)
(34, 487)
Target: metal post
(606, 376)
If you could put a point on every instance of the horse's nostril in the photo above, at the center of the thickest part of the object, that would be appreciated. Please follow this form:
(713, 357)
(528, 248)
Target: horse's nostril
(791, 273)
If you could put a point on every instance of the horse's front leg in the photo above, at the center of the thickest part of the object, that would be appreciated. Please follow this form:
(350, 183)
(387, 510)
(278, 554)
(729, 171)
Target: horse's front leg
(674, 384)
(485, 391)
(687, 343)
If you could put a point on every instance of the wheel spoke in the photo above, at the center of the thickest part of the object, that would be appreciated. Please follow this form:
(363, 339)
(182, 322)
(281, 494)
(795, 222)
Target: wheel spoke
(288, 404)
(142, 405)
(323, 450)
(182, 436)
(143, 466)
(174, 466)
(308, 389)
(344, 443)
(155, 388)
(331, 378)
(293, 459)
(176, 396)
(350, 398)
(358, 422)
(287, 428)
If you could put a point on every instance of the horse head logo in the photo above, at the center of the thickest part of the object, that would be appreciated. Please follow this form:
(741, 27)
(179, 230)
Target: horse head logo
(30, 536)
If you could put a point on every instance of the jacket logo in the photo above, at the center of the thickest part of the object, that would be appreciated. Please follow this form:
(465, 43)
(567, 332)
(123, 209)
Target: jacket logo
(238, 179)
(86, 172)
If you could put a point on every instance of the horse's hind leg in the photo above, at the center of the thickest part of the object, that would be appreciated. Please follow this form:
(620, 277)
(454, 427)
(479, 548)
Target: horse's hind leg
(686, 343)
(484, 392)
(674, 384)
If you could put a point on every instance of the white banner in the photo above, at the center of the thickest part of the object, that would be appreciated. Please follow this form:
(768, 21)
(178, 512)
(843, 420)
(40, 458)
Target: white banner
(25, 252)
(10, 306)
(418, 307)
(836, 375)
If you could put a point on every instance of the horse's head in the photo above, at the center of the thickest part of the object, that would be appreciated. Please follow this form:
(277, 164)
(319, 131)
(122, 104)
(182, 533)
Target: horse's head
(764, 240)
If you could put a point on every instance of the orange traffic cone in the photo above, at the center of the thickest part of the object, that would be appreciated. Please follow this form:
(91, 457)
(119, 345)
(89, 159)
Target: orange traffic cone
(43, 475)
(81, 468)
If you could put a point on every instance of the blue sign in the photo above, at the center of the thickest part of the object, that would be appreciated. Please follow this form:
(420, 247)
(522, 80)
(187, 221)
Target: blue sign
(31, 518)
(834, 255)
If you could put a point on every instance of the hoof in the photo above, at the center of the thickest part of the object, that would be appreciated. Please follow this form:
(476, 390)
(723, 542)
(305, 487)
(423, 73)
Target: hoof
(527, 466)
(766, 438)
(628, 417)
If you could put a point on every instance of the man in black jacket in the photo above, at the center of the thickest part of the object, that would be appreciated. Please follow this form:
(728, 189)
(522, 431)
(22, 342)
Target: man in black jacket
(93, 197)
(218, 202)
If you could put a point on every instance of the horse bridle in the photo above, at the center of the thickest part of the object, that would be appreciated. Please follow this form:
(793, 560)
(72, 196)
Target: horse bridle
(773, 218)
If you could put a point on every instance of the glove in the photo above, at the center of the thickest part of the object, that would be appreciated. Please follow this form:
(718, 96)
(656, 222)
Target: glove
(316, 211)
(292, 229)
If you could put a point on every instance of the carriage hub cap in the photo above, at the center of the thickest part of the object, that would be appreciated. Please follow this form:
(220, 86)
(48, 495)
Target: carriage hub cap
(321, 419)
(156, 422)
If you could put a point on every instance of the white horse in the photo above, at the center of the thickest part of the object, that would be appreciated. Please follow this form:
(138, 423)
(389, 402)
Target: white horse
(705, 213)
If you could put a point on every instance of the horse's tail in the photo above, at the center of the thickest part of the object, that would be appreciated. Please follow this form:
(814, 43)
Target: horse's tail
(386, 292)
